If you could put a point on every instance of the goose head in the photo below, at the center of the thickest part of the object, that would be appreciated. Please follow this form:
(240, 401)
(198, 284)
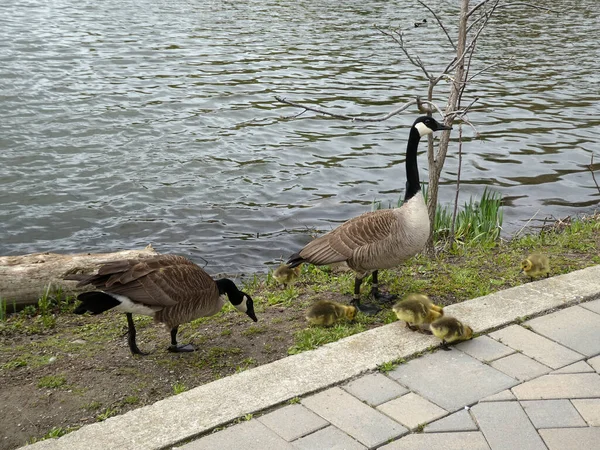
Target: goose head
(426, 125)
(246, 305)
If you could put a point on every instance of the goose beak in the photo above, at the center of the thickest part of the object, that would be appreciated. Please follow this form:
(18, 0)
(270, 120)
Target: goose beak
(444, 127)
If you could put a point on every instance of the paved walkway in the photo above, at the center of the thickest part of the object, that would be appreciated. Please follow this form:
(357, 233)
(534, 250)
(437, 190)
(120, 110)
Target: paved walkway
(523, 384)
(535, 385)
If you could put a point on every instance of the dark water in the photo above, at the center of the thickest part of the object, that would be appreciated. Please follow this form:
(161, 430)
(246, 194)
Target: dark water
(124, 123)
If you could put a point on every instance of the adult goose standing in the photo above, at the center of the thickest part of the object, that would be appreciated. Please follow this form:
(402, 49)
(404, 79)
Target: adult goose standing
(379, 239)
(170, 288)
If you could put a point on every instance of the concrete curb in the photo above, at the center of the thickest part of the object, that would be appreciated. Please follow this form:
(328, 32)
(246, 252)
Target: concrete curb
(192, 413)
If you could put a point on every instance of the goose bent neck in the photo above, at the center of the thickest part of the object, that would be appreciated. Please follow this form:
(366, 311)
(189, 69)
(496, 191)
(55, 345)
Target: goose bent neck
(413, 184)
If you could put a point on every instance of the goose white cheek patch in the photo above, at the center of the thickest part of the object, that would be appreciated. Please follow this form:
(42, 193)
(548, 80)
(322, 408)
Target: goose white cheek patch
(243, 307)
(423, 129)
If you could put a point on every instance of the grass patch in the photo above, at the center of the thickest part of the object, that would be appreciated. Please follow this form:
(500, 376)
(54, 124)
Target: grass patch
(52, 381)
(54, 433)
(179, 387)
(108, 412)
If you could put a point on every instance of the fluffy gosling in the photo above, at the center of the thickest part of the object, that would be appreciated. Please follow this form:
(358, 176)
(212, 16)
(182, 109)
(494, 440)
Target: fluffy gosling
(535, 265)
(286, 275)
(417, 309)
(326, 312)
(449, 330)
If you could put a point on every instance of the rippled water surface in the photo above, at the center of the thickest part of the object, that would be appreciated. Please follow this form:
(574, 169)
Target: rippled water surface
(128, 122)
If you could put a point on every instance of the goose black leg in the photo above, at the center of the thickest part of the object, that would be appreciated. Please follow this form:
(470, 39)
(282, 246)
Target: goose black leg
(179, 348)
(131, 336)
(445, 346)
(383, 298)
(369, 310)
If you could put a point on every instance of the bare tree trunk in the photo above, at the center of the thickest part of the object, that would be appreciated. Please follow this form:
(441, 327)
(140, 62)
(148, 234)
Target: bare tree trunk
(436, 165)
(24, 278)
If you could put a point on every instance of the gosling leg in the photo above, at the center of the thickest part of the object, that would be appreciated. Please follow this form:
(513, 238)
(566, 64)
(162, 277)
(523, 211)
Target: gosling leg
(131, 336)
(445, 346)
(179, 348)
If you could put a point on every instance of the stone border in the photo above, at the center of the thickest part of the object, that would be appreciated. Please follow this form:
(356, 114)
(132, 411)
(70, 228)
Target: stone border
(195, 412)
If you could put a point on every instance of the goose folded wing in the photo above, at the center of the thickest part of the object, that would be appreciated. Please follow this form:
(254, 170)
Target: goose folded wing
(353, 235)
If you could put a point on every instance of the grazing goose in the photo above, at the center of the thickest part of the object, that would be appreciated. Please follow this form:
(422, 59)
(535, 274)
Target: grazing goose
(326, 312)
(535, 265)
(449, 329)
(170, 288)
(286, 275)
(378, 239)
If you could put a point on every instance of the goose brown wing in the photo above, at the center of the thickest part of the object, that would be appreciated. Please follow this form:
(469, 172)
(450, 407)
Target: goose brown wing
(357, 233)
(164, 280)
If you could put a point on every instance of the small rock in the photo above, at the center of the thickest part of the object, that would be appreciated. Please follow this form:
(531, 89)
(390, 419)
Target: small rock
(51, 359)
(78, 341)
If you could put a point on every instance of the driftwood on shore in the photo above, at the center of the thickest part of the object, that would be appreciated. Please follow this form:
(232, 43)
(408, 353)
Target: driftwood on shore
(24, 278)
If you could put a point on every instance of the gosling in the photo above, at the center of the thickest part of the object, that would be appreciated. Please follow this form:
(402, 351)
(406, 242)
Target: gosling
(449, 330)
(286, 275)
(326, 313)
(417, 309)
(535, 265)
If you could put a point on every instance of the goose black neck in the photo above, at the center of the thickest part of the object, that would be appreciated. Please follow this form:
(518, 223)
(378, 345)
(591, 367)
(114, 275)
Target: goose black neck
(413, 185)
(226, 286)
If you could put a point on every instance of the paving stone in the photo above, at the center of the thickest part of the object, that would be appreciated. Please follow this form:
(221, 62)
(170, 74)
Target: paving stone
(575, 385)
(552, 414)
(292, 421)
(352, 416)
(520, 367)
(330, 438)
(375, 389)
(503, 396)
(441, 441)
(537, 347)
(578, 367)
(571, 438)
(484, 348)
(589, 409)
(574, 327)
(595, 363)
(253, 434)
(592, 306)
(412, 410)
(459, 421)
(506, 426)
(451, 379)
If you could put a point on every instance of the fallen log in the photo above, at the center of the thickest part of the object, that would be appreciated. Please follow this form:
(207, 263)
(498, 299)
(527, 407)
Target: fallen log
(24, 278)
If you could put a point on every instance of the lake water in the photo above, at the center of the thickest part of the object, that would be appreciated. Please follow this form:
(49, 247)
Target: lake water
(124, 123)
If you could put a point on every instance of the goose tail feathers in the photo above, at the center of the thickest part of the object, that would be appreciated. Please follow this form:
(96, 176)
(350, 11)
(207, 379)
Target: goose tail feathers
(295, 260)
(95, 302)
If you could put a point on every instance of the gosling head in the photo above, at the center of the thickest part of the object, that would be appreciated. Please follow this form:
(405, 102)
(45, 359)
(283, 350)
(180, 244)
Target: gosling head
(351, 312)
(526, 265)
(467, 332)
(426, 125)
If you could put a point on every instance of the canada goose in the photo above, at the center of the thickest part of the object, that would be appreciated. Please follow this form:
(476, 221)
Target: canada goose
(286, 275)
(379, 239)
(535, 265)
(326, 312)
(170, 288)
(421, 24)
(417, 309)
(449, 329)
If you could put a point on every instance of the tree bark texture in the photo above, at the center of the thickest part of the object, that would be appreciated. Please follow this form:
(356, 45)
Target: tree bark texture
(24, 278)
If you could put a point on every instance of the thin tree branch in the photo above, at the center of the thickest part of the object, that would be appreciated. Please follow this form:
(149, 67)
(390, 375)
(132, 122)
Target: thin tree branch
(357, 118)
(454, 212)
(530, 5)
(396, 35)
(591, 167)
(476, 7)
(440, 24)
(491, 66)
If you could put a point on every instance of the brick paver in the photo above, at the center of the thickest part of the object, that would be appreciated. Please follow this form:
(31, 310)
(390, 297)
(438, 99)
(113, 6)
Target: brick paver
(575, 385)
(412, 410)
(589, 408)
(330, 438)
(552, 414)
(375, 389)
(440, 441)
(459, 421)
(484, 348)
(293, 421)
(571, 438)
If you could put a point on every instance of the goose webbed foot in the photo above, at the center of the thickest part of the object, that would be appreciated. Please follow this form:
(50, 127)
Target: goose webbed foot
(369, 310)
(182, 348)
(384, 298)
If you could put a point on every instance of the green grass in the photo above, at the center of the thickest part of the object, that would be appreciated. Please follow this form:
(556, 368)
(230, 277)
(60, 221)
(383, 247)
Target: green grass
(179, 387)
(54, 433)
(108, 412)
(52, 381)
